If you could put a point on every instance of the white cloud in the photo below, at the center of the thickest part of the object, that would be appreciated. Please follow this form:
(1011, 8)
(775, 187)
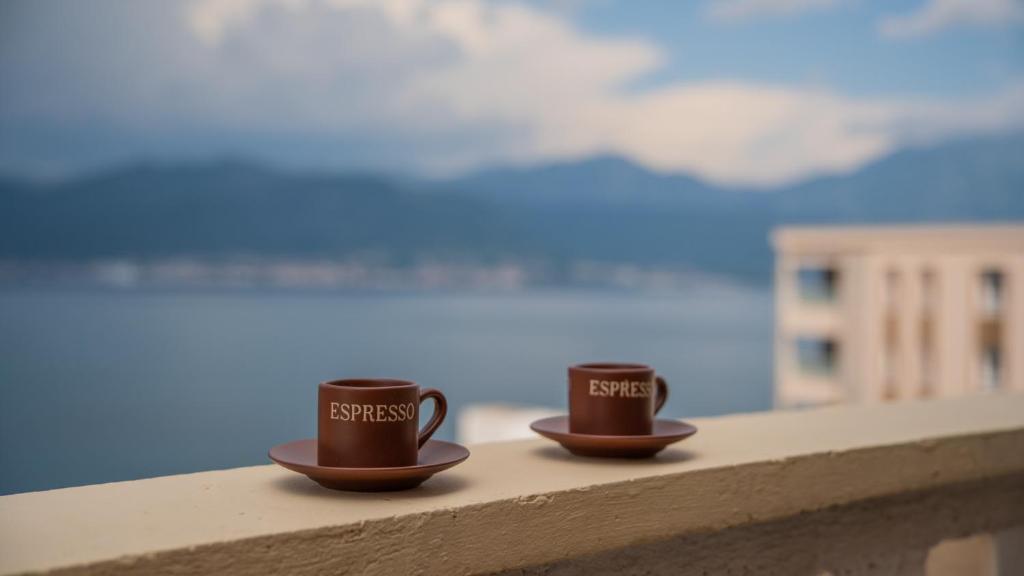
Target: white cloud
(440, 86)
(935, 15)
(762, 135)
(743, 9)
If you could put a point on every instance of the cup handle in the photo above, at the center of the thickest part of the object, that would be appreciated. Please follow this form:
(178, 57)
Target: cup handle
(661, 395)
(440, 410)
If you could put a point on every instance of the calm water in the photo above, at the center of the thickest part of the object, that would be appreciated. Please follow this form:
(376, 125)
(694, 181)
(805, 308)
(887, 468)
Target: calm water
(96, 387)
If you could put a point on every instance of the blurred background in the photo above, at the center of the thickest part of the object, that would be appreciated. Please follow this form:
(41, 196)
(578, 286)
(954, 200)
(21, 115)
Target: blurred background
(207, 207)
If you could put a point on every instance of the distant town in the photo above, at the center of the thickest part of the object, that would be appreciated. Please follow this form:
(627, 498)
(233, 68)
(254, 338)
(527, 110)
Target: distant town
(256, 274)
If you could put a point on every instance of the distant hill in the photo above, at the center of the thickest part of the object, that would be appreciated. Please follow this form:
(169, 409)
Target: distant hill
(605, 181)
(603, 209)
(979, 179)
(595, 205)
(233, 209)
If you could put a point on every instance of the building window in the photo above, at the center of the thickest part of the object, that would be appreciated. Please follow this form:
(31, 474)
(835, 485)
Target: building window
(991, 367)
(929, 291)
(891, 292)
(927, 357)
(927, 338)
(817, 356)
(817, 284)
(890, 356)
(991, 292)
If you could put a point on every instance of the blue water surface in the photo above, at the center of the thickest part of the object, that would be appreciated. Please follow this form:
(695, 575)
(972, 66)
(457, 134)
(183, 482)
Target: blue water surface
(106, 386)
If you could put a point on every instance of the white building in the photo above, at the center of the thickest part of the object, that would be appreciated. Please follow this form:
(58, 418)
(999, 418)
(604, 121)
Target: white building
(871, 314)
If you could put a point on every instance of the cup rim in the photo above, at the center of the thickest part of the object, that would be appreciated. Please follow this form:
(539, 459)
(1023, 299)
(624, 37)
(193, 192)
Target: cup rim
(367, 384)
(610, 367)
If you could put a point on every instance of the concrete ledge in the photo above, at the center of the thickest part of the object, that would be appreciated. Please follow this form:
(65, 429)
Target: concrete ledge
(517, 504)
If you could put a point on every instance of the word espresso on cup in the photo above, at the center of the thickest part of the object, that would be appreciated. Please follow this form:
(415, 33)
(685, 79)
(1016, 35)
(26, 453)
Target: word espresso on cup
(373, 423)
(373, 412)
(614, 399)
(625, 388)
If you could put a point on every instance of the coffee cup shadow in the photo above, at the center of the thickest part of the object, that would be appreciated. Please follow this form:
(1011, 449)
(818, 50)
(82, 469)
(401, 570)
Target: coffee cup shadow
(667, 456)
(437, 486)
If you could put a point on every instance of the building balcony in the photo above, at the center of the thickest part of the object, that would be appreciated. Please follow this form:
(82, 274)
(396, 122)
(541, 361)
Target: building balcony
(823, 322)
(837, 490)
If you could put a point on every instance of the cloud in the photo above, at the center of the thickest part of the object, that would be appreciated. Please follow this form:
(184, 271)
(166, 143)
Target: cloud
(414, 86)
(743, 9)
(935, 15)
(744, 133)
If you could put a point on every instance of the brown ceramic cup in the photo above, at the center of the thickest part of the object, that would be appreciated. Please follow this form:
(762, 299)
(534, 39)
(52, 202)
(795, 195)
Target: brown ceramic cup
(614, 399)
(373, 423)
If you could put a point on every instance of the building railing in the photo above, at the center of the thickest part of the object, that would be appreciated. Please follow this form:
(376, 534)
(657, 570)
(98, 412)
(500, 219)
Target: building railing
(839, 490)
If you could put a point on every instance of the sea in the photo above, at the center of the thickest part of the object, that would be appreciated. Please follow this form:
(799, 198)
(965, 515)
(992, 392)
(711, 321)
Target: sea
(103, 385)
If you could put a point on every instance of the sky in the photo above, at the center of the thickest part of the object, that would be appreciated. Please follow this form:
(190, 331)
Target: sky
(738, 92)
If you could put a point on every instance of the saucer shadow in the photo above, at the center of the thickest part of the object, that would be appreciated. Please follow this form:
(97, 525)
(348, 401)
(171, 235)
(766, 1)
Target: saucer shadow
(666, 456)
(437, 486)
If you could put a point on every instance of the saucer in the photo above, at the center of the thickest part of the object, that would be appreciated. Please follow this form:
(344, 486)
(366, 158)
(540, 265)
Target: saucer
(434, 456)
(665, 432)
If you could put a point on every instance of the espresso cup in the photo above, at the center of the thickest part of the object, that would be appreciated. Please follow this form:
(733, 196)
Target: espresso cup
(373, 423)
(613, 399)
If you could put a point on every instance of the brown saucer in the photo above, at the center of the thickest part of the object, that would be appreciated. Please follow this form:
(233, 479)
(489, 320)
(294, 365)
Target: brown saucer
(435, 456)
(665, 432)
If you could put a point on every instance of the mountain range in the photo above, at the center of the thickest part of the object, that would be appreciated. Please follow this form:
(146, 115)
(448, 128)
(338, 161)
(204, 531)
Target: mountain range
(602, 209)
